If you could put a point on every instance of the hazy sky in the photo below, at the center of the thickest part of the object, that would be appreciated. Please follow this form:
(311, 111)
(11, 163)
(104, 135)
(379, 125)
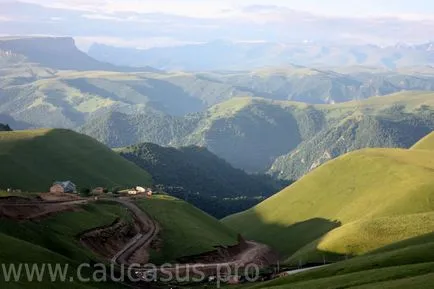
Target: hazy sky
(210, 8)
(146, 23)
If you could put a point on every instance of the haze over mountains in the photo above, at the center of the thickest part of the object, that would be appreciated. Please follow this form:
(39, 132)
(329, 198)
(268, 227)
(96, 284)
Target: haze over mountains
(236, 115)
(226, 55)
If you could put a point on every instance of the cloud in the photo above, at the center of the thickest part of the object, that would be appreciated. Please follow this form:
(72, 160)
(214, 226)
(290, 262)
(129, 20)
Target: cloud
(148, 23)
(218, 8)
(141, 43)
(191, 8)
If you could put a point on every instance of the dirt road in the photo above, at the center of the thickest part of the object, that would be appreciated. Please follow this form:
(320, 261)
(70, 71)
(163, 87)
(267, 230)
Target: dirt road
(255, 253)
(22, 209)
(142, 240)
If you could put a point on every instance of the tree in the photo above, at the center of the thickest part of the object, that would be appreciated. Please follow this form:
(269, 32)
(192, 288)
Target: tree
(85, 192)
(5, 127)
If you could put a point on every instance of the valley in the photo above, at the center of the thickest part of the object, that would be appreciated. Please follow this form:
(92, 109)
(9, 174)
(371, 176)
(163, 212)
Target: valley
(297, 175)
(235, 114)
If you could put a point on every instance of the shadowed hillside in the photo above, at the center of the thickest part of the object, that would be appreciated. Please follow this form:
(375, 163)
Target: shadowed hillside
(4, 127)
(197, 170)
(32, 160)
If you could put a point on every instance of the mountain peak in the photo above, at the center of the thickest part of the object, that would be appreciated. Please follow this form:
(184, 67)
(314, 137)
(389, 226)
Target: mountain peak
(57, 53)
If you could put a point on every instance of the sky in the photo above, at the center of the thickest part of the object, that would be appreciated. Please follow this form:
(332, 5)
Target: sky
(212, 8)
(152, 23)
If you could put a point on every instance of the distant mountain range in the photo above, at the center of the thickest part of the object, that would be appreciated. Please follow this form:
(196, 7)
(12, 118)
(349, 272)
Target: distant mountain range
(224, 55)
(286, 138)
(283, 121)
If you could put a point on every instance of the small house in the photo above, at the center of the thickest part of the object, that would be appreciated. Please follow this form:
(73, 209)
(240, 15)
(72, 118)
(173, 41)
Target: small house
(57, 189)
(98, 191)
(63, 187)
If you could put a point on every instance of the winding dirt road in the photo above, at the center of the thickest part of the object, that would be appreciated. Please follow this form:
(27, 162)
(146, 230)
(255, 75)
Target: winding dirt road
(254, 253)
(142, 240)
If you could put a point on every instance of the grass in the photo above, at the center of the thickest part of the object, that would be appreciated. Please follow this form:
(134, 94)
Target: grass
(59, 233)
(427, 143)
(371, 185)
(54, 240)
(401, 264)
(186, 230)
(32, 160)
(364, 278)
(364, 236)
(420, 282)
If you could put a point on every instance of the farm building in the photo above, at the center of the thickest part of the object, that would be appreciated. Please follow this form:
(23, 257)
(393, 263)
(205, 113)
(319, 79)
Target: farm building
(98, 191)
(57, 189)
(63, 187)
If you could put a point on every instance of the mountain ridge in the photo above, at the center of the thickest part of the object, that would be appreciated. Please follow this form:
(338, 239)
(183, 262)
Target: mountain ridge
(246, 56)
(57, 53)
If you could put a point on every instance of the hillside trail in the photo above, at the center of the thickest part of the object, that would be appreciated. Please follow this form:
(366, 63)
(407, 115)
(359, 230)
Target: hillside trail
(254, 253)
(137, 248)
(23, 209)
(140, 243)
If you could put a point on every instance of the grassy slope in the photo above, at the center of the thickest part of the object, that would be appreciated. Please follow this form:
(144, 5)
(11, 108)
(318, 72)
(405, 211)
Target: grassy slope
(186, 230)
(53, 240)
(360, 186)
(407, 264)
(367, 235)
(427, 143)
(32, 160)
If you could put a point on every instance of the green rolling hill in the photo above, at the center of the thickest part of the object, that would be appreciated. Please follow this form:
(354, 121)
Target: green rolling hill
(402, 265)
(32, 160)
(186, 230)
(351, 205)
(53, 240)
(427, 143)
